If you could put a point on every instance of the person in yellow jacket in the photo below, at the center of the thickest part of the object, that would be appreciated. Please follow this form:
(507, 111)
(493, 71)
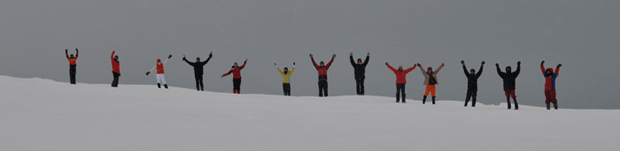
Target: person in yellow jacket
(286, 76)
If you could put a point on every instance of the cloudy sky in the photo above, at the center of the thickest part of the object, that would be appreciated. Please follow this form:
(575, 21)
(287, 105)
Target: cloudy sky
(582, 35)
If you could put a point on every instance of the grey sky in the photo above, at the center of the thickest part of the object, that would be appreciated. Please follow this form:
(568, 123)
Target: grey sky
(582, 35)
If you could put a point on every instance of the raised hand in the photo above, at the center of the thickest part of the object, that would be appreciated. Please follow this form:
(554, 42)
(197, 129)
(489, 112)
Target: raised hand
(293, 63)
(462, 62)
(442, 64)
(368, 54)
(147, 73)
(211, 53)
(419, 65)
(310, 55)
(169, 56)
(543, 62)
(246, 60)
(497, 64)
(351, 54)
(66, 51)
(76, 50)
(519, 63)
(274, 64)
(183, 55)
(559, 65)
(483, 62)
(334, 56)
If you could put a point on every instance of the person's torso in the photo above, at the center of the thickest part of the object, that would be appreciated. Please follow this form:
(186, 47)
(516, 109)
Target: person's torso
(160, 68)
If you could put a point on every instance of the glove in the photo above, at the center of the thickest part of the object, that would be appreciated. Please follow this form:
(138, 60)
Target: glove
(66, 51)
(76, 50)
(274, 64)
(462, 62)
(310, 55)
(497, 64)
(386, 63)
(419, 65)
(334, 56)
(519, 63)
(541, 63)
(169, 56)
(246, 60)
(442, 64)
(147, 73)
(183, 55)
(351, 54)
(483, 62)
(368, 54)
(559, 65)
(293, 64)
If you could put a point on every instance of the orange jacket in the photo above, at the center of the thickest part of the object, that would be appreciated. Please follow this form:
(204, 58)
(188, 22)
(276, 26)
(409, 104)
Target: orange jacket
(235, 71)
(72, 61)
(401, 75)
(159, 66)
(115, 64)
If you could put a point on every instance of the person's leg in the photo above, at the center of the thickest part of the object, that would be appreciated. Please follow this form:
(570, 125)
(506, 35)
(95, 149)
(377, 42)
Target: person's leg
(426, 94)
(239, 86)
(320, 88)
(158, 80)
(284, 88)
(507, 93)
(473, 97)
(468, 96)
(115, 81)
(403, 95)
(163, 79)
(357, 86)
(553, 99)
(433, 92)
(197, 83)
(362, 87)
(398, 87)
(547, 99)
(514, 98)
(325, 89)
(288, 89)
(72, 76)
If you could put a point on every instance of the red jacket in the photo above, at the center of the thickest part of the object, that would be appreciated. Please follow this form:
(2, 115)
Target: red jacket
(115, 64)
(235, 71)
(72, 61)
(550, 80)
(322, 70)
(401, 75)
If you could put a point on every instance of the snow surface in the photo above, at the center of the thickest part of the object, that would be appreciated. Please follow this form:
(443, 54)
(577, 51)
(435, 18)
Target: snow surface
(39, 114)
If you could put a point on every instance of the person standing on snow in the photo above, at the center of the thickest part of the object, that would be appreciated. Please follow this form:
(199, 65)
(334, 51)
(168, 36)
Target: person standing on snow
(430, 80)
(472, 83)
(236, 71)
(286, 79)
(160, 72)
(198, 70)
(401, 80)
(550, 84)
(72, 65)
(510, 82)
(322, 74)
(360, 71)
(116, 69)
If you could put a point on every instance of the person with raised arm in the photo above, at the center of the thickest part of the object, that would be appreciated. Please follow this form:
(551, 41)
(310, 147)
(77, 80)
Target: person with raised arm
(72, 64)
(116, 69)
(401, 80)
(286, 79)
(430, 80)
(160, 72)
(472, 83)
(360, 73)
(550, 76)
(198, 70)
(236, 71)
(510, 79)
(322, 69)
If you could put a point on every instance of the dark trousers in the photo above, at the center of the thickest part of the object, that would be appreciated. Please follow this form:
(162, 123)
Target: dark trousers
(237, 85)
(471, 93)
(359, 86)
(199, 84)
(322, 87)
(400, 91)
(115, 81)
(287, 89)
(72, 72)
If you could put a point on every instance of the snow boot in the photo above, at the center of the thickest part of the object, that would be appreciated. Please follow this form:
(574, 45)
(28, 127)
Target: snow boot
(555, 105)
(397, 98)
(404, 98)
(548, 106)
(433, 99)
(508, 101)
(166, 86)
(159, 85)
(424, 100)
(516, 104)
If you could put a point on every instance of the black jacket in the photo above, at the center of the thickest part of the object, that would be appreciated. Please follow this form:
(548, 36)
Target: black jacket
(472, 79)
(360, 69)
(509, 78)
(198, 71)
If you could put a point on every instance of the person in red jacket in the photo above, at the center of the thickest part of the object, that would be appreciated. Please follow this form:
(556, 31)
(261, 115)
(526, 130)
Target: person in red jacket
(160, 72)
(401, 80)
(550, 84)
(236, 71)
(322, 74)
(72, 64)
(116, 69)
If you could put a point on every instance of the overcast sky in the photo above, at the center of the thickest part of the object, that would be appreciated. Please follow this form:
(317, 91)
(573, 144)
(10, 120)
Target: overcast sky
(582, 35)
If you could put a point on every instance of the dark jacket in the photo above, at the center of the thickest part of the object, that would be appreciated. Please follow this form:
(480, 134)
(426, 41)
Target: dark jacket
(360, 69)
(198, 66)
(472, 79)
(509, 78)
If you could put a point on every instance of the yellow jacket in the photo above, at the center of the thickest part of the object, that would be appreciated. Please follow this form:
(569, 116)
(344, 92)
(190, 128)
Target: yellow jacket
(286, 78)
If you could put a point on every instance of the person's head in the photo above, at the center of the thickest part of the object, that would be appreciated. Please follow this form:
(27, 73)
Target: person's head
(322, 63)
(285, 70)
(158, 60)
(235, 65)
(359, 61)
(472, 71)
(116, 58)
(400, 67)
(508, 69)
(72, 57)
(429, 70)
(197, 59)
(549, 72)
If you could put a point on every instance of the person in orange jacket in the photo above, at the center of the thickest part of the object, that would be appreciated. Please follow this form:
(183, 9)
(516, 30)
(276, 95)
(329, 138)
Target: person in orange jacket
(116, 69)
(322, 74)
(72, 64)
(160, 72)
(550, 84)
(430, 80)
(401, 80)
(236, 71)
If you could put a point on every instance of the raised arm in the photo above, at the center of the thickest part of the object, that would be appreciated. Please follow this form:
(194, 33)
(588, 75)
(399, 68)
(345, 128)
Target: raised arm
(112, 56)
(391, 68)
(227, 73)
(77, 52)
(366, 61)
(410, 69)
(516, 73)
(330, 62)
(422, 69)
(293, 69)
(243, 66)
(351, 59)
(464, 68)
(542, 67)
(480, 70)
(206, 61)
(67, 53)
(313, 62)
(499, 71)
(438, 69)
(557, 69)
(170, 56)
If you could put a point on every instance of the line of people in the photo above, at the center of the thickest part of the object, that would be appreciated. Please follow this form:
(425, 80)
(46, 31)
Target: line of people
(430, 77)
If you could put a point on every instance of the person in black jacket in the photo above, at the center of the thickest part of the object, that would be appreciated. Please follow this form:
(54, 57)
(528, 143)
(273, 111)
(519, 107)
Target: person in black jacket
(510, 82)
(472, 83)
(360, 73)
(198, 70)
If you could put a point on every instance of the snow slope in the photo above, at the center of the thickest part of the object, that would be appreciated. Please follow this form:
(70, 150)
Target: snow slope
(38, 114)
